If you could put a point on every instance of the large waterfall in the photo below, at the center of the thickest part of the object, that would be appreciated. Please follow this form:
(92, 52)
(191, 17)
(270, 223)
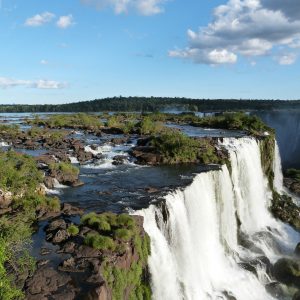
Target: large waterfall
(204, 237)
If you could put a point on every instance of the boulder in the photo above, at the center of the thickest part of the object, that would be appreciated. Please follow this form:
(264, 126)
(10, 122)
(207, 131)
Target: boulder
(146, 155)
(287, 271)
(119, 141)
(297, 250)
(119, 160)
(276, 289)
(49, 182)
(59, 237)
(56, 225)
(45, 281)
(296, 296)
(71, 210)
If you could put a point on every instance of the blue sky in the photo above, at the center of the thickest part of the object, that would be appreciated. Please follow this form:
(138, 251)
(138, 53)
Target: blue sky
(55, 51)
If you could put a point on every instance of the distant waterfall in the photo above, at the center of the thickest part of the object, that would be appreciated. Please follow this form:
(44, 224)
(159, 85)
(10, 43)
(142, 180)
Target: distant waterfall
(196, 233)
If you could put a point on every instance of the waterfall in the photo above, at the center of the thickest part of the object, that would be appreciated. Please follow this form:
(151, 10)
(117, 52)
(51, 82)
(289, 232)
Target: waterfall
(202, 236)
(278, 177)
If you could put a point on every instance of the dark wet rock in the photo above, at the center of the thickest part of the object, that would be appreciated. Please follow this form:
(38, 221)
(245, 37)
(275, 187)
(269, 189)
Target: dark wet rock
(45, 281)
(68, 247)
(119, 141)
(99, 293)
(287, 271)
(276, 289)
(71, 210)
(296, 296)
(60, 236)
(286, 210)
(112, 130)
(248, 267)
(98, 156)
(69, 265)
(293, 185)
(61, 156)
(49, 182)
(46, 159)
(65, 295)
(229, 296)
(65, 178)
(146, 155)
(45, 251)
(297, 250)
(264, 263)
(119, 160)
(151, 190)
(42, 262)
(143, 141)
(56, 225)
(44, 213)
(84, 156)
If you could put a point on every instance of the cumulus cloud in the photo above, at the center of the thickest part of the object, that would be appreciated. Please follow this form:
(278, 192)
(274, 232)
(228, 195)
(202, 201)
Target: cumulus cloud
(286, 59)
(248, 28)
(40, 19)
(65, 21)
(143, 7)
(38, 84)
(213, 57)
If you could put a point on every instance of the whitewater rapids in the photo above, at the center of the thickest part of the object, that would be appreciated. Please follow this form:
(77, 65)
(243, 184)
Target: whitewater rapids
(196, 233)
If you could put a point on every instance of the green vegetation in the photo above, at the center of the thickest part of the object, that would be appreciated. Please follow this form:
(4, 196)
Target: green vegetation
(77, 121)
(235, 121)
(18, 173)
(267, 151)
(9, 130)
(99, 242)
(123, 234)
(123, 121)
(153, 104)
(176, 147)
(20, 178)
(293, 173)
(73, 230)
(14, 255)
(66, 168)
(113, 232)
(147, 126)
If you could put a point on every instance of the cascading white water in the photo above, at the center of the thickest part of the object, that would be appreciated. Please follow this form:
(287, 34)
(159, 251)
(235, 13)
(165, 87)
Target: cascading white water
(195, 249)
(278, 177)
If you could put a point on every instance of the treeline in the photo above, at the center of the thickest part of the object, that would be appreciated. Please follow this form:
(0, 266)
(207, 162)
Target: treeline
(151, 104)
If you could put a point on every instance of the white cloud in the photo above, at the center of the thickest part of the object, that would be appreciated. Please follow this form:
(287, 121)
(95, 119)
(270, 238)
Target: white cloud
(65, 21)
(213, 57)
(40, 19)
(248, 28)
(38, 84)
(143, 7)
(286, 59)
(44, 62)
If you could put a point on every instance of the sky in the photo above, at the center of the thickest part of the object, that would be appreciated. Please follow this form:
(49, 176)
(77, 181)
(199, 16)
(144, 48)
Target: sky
(55, 51)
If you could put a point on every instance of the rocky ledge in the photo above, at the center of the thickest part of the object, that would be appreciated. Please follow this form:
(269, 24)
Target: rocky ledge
(104, 257)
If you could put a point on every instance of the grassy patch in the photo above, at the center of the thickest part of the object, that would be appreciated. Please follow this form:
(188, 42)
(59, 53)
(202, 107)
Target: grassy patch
(99, 242)
(234, 121)
(66, 168)
(176, 147)
(80, 120)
